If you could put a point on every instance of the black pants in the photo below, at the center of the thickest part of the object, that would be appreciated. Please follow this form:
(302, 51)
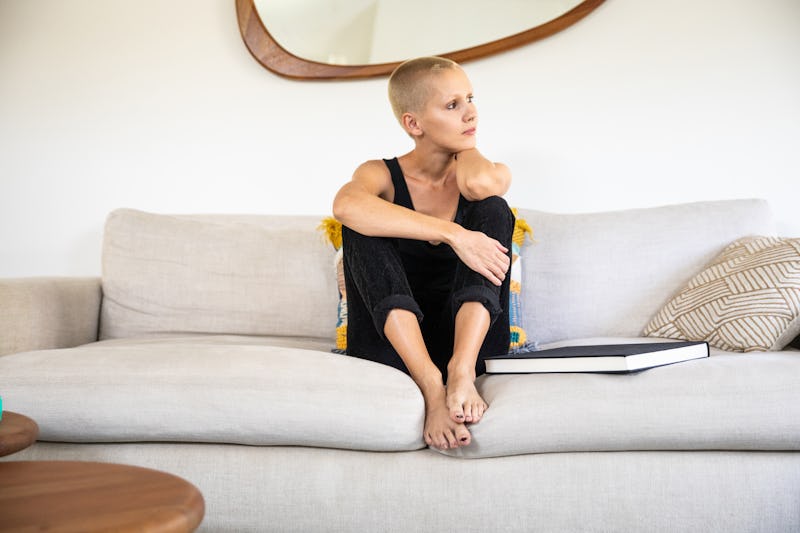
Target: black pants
(377, 283)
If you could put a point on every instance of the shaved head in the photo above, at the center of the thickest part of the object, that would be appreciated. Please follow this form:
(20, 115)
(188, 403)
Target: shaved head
(409, 84)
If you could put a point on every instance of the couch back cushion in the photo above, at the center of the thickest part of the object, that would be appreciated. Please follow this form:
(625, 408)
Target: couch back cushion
(237, 274)
(608, 274)
(586, 275)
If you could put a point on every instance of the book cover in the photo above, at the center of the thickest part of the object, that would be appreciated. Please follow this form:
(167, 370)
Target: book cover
(613, 358)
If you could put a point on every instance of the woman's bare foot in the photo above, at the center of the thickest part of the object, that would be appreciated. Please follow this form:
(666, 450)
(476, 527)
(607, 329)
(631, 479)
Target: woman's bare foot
(463, 401)
(440, 429)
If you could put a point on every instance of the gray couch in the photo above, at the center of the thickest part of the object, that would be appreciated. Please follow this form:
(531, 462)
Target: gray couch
(204, 350)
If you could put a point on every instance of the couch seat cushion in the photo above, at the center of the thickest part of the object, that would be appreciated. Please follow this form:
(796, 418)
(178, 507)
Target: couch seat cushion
(729, 401)
(214, 389)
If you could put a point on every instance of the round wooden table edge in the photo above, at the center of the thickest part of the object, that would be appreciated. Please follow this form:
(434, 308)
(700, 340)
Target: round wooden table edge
(17, 432)
(37, 482)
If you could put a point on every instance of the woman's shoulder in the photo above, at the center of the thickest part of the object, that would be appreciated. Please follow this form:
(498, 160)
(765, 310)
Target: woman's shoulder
(375, 176)
(374, 170)
(373, 166)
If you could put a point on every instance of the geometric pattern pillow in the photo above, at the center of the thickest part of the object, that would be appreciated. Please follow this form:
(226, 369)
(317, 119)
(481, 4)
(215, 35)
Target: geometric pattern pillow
(745, 300)
(518, 342)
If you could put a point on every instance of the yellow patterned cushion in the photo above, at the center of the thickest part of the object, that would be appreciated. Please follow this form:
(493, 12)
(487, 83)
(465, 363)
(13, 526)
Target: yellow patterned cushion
(332, 229)
(518, 338)
(747, 299)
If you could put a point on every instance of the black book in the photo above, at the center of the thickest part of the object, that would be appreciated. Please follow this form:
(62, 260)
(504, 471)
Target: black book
(616, 358)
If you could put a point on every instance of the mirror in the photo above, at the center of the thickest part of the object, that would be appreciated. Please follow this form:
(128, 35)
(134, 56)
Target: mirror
(332, 39)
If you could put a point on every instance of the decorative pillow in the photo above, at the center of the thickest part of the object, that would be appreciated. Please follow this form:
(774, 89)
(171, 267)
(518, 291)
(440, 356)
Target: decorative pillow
(747, 299)
(518, 339)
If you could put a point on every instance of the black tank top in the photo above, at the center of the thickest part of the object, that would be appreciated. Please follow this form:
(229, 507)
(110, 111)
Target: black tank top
(429, 267)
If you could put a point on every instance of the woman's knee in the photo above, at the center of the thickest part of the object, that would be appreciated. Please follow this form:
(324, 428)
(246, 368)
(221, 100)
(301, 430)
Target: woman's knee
(495, 204)
(493, 210)
(352, 238)
(356, 244)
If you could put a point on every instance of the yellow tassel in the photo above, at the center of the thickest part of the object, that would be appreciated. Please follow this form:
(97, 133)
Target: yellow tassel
(521, 227)
(341, 337)
(332, 229)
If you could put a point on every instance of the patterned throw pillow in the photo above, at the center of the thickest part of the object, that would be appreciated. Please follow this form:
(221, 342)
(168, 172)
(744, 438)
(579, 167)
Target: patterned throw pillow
(332, 229)
(745, 300)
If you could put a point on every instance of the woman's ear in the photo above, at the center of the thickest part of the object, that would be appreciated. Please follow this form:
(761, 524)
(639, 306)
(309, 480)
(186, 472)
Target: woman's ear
(411, 125)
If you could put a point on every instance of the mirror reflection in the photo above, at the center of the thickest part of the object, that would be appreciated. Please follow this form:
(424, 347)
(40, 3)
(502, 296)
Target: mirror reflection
(363, 32)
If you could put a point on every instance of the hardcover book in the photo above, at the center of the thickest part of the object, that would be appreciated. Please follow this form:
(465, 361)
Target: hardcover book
(613, 358)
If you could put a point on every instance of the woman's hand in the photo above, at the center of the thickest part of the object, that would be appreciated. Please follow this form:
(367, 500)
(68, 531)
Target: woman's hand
(481, 253)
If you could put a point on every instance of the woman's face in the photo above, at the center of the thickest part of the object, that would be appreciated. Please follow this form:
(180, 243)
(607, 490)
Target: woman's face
(450, 118)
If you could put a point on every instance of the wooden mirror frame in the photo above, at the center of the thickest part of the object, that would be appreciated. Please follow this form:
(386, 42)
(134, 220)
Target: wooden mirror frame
(275, 58)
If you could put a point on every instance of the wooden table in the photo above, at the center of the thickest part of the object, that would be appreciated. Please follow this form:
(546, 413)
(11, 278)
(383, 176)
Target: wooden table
(73, 496)
(17, 432)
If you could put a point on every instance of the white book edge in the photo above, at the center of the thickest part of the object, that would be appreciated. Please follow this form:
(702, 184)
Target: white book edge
(615, 363)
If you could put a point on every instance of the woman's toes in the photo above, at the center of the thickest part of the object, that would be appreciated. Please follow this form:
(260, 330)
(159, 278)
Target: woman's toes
(463, 436)
(457, 413)
(477, 412)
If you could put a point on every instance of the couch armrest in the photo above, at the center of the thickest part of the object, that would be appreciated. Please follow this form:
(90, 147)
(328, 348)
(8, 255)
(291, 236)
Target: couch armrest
(43, 313)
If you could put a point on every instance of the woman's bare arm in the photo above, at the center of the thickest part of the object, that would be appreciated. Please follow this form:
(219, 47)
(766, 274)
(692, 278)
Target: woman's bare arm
(362, 205)
(478, 178)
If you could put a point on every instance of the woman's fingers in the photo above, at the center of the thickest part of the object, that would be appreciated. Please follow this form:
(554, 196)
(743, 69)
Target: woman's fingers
(484, 255)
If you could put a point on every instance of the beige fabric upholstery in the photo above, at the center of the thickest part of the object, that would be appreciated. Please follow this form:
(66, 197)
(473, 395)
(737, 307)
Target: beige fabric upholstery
(597, 274)
(305, 490)
(586, 274)
(210, 389)
(241, 390)
(249, 275)
(278, 385)
(725, 402)
(747, 299)
(40, 313)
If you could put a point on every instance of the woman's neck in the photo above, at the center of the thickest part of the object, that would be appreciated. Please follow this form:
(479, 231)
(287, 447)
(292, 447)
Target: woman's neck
(432, 166)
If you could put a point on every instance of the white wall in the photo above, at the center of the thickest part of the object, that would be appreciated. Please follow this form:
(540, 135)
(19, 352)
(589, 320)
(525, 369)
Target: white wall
(158, 106)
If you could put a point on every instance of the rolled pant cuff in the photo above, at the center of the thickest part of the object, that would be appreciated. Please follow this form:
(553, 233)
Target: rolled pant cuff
(478, 293)
(388, 304)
